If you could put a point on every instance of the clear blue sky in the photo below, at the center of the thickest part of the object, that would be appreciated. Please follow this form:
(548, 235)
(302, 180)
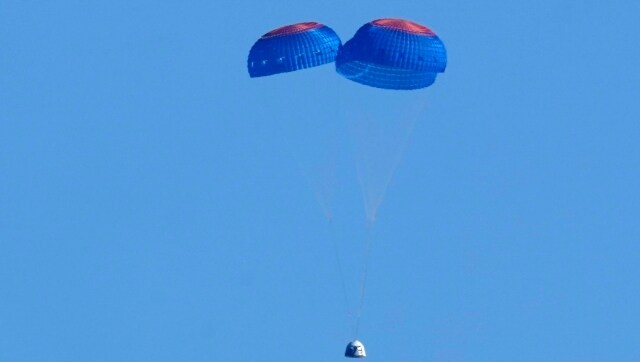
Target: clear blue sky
(153, 208)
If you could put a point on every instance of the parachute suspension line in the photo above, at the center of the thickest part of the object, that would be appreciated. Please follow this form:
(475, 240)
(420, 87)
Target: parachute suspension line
(371, 208)
(396, 162)
(345, 294)
(399, 154)
(365, 272)
(370, 212)
(373, 193)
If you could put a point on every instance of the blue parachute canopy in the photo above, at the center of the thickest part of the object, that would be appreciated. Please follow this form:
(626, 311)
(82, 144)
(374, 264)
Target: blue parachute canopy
(291, 48)
(392, 54)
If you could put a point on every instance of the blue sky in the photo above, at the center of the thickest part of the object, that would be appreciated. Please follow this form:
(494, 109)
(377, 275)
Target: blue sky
(157, 204)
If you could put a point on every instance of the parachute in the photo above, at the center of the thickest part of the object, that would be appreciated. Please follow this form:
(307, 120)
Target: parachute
(293, 47)
(392, 54)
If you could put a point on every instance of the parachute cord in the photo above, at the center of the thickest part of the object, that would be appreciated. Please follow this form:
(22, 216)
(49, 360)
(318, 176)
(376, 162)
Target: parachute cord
(363, 283)
(345, 295)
